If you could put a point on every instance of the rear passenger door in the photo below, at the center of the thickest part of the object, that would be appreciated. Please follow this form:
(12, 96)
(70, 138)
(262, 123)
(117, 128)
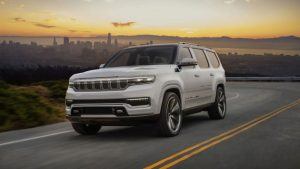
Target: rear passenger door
(205, 81)
(214, 70)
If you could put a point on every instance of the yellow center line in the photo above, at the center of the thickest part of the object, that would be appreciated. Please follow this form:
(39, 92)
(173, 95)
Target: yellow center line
(197, 148)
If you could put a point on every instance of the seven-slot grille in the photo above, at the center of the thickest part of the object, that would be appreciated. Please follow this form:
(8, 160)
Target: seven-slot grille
(99, 85)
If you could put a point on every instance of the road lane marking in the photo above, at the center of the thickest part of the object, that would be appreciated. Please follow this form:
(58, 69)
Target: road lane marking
(198, 148)
(197, 151)
(237, 95)
(34, 138)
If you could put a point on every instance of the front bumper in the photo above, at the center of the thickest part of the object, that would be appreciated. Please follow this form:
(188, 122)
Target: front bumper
(115, 121)
(115, 100)
(109, 113)
(105, 108)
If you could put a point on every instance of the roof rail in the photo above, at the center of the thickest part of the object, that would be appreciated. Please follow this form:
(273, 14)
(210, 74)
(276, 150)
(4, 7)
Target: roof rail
(186, 43)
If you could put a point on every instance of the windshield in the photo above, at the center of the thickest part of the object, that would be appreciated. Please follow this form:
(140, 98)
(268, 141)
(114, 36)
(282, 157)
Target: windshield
(152, 55)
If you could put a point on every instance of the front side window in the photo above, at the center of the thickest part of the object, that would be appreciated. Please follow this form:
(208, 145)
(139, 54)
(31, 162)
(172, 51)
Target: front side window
(213, 59)
(201, 58)
(152, 55)
(184, 53)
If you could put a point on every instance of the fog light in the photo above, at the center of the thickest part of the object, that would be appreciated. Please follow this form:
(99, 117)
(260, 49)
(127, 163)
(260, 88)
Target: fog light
(77, 111)
(120, 111)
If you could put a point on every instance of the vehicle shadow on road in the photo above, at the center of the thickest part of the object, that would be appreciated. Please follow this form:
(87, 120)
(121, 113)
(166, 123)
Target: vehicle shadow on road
(193, 120)
(141, 132)
(122, 133)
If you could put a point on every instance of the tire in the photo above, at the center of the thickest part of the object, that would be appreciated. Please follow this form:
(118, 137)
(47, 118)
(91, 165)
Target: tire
(86, 129)
(218, 109)
(170, 120)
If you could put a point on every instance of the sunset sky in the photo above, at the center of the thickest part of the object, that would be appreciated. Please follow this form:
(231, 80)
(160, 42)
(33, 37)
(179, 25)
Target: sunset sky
(191, 18)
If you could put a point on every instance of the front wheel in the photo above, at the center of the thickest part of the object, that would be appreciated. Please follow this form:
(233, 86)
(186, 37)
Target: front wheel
(86, 129)
(218, 109)
(170, 120)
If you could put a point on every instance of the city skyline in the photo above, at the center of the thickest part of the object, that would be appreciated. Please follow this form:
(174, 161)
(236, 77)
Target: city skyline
(193, 18)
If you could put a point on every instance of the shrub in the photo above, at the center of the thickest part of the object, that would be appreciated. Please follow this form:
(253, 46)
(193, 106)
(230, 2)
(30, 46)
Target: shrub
(24, 107)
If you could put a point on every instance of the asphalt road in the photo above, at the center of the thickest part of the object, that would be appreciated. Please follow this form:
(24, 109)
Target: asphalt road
(255, 134)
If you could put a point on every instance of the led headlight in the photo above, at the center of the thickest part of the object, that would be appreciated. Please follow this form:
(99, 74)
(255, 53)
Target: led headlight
(141, 80)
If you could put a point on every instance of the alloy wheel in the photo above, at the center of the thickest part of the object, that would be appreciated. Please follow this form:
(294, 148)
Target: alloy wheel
(174, 114)
(221, 103)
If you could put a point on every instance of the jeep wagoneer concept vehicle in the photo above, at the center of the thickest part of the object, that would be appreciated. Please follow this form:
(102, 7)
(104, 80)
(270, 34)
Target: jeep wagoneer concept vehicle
(159, 83)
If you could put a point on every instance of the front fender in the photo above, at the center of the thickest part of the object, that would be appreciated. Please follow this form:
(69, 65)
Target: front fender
(167, 86)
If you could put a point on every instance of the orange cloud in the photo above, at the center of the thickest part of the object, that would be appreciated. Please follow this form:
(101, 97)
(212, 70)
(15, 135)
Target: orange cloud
(122, 24)
(38, 24)
(42, 25)
(19, 20)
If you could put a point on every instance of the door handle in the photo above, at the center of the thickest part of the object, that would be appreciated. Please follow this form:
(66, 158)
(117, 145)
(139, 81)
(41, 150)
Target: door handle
(212, 74)
(195, 75)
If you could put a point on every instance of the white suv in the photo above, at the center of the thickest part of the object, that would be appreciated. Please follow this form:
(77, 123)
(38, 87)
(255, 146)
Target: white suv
(159, 83)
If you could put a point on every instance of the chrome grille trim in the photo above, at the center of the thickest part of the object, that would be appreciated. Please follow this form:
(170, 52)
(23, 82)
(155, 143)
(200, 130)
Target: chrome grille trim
(104, 84)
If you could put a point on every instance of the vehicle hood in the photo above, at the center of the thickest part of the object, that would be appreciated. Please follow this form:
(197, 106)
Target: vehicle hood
(123, 72)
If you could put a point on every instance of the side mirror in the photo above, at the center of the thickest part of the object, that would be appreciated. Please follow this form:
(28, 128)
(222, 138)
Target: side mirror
(187, 62)
(101, 66)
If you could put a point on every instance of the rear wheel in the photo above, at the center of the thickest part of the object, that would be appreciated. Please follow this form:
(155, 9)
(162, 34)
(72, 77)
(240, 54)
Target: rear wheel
(218, 109)
(170, 120)
(86, 129)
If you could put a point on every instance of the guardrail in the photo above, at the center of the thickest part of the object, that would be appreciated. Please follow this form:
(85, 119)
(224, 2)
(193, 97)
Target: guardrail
(265, 79)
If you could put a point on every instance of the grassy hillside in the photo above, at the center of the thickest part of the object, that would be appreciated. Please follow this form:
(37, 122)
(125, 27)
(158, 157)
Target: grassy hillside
(31, 105)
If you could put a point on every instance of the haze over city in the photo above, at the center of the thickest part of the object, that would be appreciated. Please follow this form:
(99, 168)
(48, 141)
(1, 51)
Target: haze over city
(193, 18)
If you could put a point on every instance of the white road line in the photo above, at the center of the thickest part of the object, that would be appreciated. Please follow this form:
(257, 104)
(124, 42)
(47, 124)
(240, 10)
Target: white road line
(34, 138)
(237, 95)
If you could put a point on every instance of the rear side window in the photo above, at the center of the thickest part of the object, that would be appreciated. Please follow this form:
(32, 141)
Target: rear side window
(184, 53)
(201, 58)
(213, 59)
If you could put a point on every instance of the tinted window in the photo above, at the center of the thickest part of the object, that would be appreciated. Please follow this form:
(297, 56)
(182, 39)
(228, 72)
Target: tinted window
(201, 58)
(213, 59)
(154, 55)
(184, 53)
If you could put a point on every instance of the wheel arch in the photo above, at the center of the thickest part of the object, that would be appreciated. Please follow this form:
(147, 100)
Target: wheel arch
(171, 88)
(218, 84)
(222, 85)
(174, 90)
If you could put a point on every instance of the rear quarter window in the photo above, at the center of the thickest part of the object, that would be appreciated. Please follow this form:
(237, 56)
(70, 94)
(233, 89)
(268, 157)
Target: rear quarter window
(212, 57)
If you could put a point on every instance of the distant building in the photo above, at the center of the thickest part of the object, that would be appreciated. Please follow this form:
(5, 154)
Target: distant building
(109, 39)
(54, 41)
(66, 40)
(116, 42)
(33, 43)
(88, 44)
(4, 42)
(97, 45)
